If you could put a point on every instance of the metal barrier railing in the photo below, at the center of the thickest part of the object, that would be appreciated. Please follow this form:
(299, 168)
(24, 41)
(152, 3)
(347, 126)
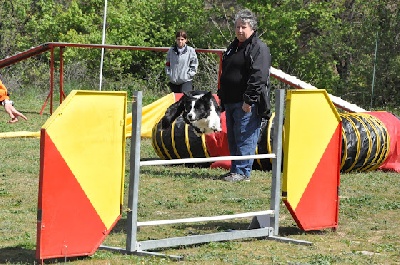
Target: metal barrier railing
(268, 219)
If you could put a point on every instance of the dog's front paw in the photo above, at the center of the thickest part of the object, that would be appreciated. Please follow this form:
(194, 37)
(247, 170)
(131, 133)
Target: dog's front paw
(215, 126)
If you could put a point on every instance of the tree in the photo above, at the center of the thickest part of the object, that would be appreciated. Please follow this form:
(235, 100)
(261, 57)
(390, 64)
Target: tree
(330, 44)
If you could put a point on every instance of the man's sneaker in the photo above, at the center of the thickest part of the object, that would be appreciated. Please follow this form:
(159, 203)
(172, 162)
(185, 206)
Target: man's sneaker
(224, 175)
(234, 177)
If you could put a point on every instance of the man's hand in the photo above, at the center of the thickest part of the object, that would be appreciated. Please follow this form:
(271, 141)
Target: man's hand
(246, 107)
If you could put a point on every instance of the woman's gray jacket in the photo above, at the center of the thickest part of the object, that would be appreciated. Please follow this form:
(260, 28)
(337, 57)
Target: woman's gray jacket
(181, 67)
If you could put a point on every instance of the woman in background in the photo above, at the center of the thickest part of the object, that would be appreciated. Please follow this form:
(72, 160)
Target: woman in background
(181, 64)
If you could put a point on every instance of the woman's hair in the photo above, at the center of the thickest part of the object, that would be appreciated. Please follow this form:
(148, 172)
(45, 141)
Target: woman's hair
(246, 16)
(181, 33)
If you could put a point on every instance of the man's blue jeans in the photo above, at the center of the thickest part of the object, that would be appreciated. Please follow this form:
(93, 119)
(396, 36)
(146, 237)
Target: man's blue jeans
(243, 130)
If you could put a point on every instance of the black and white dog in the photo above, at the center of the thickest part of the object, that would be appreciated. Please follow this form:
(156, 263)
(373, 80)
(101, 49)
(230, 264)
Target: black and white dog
(198, 109)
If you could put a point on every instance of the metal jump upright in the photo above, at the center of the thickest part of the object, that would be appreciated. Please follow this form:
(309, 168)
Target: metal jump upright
(268, 220)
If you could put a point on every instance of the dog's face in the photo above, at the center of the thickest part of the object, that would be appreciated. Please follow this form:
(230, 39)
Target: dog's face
(202, 112)
(198, 109)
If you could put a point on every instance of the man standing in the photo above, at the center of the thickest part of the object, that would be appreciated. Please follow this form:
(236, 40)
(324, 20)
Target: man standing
(244, 93)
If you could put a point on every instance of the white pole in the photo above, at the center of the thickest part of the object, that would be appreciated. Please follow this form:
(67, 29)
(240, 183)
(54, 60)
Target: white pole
(373, 74)
(202, 159)
(205, 219)
(103, 42)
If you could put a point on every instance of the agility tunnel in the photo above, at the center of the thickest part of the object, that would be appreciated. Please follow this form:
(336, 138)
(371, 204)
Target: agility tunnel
(370, 141)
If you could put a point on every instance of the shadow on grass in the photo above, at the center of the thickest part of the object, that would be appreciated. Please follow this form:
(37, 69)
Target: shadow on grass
(194, 229)
(157, 172)
(231, 226)
(17, 255)
(292, 230)
(20, 255)
(34, 112)
(121, 227)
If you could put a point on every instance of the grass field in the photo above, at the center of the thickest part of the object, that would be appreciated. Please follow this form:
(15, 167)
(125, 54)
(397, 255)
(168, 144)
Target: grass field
(368, 231)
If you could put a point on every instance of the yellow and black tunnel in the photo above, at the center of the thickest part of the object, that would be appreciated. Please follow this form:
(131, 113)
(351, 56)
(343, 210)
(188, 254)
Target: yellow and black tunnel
(365, 142)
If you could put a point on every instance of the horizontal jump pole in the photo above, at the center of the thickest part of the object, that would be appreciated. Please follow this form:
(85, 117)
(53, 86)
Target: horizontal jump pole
(297, 83)
(203, 159)
(205, 219)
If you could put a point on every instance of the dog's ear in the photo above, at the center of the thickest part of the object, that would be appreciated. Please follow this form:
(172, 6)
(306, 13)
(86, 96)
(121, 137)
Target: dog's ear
(218, 108)
(172, 113)
(207, 95)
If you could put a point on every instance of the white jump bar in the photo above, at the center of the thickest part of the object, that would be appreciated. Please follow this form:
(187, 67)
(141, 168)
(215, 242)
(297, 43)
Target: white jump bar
(204, 219)
(294, 81)
(203, 160)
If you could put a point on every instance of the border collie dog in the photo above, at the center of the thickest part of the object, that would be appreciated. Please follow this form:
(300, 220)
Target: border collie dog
(198, 109)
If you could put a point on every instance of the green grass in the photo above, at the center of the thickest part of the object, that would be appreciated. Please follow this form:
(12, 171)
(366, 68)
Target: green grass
(368, 231)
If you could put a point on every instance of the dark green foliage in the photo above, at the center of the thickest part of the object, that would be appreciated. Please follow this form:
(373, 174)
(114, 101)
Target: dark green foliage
(329, 44)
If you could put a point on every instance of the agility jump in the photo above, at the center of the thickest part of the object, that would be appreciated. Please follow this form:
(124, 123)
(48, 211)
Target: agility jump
(59, 237)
